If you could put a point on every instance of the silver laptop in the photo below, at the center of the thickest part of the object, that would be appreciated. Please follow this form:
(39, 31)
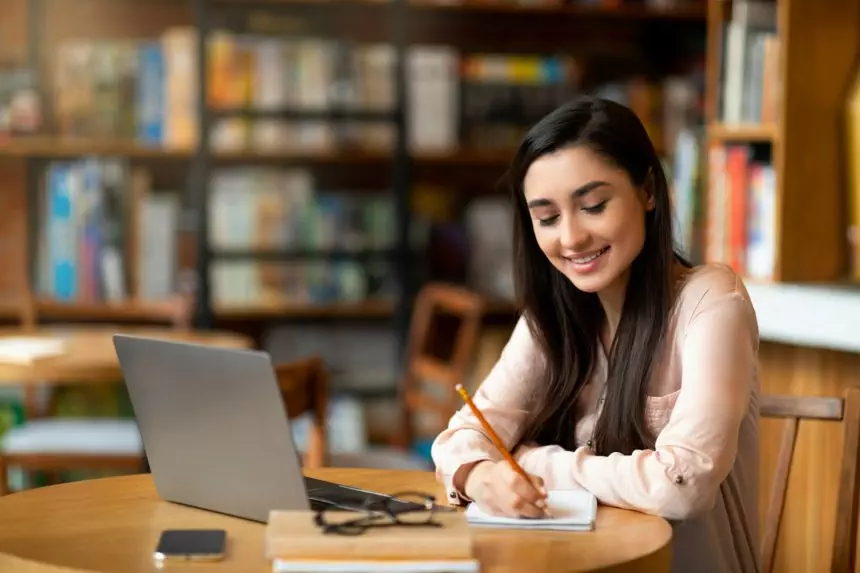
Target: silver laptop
(215, 431)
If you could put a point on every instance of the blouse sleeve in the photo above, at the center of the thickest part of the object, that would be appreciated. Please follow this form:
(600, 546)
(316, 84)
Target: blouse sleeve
(696, 450)
(503, 398)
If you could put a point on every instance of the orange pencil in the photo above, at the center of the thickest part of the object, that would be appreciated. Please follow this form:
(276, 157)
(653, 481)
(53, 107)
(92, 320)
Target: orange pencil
(495, 437)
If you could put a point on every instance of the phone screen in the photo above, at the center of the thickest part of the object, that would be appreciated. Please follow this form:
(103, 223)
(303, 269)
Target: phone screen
(191, 544)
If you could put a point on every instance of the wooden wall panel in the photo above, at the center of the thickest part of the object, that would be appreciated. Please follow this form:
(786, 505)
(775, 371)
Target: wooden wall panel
(806, 537)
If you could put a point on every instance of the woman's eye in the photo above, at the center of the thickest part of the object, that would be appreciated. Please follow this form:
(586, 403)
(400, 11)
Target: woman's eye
(547, 221)
(596, 209)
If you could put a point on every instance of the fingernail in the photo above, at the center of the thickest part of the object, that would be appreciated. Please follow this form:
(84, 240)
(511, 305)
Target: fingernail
(541, 504)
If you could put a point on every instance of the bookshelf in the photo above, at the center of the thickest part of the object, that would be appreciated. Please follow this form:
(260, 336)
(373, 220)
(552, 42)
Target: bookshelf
(220, 105)
(774, 135)
(464, 170)
(610, 45)
(778, 75)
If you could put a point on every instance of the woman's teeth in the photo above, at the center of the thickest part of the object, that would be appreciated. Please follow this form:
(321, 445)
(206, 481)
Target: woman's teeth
(590, 258)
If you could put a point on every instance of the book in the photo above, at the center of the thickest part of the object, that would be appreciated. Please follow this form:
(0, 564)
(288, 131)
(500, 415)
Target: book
(295, 543)
(399, 566)
(571, 510)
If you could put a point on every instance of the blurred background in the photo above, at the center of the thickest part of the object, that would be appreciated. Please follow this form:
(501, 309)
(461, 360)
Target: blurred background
(297, 172)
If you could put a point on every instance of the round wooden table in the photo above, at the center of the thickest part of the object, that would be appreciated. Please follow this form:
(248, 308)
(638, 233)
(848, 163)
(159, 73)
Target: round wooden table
(113, 524)
(88, 354)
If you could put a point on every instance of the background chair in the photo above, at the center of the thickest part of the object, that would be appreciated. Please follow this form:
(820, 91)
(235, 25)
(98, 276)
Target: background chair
(427, 388)
(304, 387)
(48, 443)
(794, 409)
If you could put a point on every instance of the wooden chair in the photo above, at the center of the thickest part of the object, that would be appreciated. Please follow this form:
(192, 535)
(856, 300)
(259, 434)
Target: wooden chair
(52, 444)
(424, 371)
(423, 368)
(304, 387)
(794, 409)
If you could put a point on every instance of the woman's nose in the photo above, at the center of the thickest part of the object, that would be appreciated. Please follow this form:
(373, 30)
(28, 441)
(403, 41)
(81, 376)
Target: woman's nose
(574, 237)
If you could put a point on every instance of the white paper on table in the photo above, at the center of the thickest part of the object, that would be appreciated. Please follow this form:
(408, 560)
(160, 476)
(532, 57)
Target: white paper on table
(27, 349)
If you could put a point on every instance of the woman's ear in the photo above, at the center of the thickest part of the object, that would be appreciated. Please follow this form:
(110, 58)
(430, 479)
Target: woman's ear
(648, 191)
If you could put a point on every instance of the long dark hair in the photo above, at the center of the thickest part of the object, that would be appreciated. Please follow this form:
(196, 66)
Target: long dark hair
(565, 321)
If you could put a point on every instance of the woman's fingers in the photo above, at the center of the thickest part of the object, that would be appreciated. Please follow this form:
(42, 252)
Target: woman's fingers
(525, 498)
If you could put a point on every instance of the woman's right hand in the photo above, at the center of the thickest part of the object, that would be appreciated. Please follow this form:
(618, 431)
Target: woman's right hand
(499, 490)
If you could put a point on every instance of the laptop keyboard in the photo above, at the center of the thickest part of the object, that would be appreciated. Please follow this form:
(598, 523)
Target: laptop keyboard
(328, 495)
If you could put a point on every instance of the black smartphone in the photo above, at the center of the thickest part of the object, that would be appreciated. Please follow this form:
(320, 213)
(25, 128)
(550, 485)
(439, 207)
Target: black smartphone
(191, 545)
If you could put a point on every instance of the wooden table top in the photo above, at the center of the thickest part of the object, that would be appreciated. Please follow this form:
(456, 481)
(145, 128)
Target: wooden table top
(89, 355)
(113, 524)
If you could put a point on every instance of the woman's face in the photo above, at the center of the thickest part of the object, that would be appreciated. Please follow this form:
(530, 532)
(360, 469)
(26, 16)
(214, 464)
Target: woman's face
(588, 218)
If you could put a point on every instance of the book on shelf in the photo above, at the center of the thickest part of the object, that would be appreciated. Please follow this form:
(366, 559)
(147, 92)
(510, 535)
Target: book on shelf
(275, 209)
(139, 90)
(749, 67)
(686, 192)
(106, 234)
(20, 102)
(741, 207)
(294, 542)
(81, 240)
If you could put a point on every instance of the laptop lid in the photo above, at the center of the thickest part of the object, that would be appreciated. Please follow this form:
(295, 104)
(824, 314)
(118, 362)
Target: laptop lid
(213, 425)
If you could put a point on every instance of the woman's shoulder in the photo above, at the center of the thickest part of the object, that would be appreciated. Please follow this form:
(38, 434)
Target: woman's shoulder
(712, 287)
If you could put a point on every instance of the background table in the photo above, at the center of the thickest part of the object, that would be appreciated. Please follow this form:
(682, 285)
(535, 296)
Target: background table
(89, 355)
(112, 525)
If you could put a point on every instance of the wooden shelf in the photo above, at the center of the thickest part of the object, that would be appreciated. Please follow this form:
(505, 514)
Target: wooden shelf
(695, 12)
(632, 11)
(60, 148)
(54, 310)
(9, 310)
(144, 311)
(742, 133)
(68, 148)
(47, 309)
(56, 147)
(364, 309)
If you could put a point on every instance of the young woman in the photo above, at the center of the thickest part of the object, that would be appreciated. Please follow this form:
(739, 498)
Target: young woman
(629, 374)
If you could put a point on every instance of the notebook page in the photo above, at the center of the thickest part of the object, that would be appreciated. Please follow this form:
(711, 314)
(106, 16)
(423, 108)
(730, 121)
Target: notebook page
(570, 509)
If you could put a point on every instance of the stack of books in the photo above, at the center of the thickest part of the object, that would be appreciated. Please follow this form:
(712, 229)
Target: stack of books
(295, 543)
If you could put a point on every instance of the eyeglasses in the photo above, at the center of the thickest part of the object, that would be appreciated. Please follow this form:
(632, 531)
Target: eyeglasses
(407, 508)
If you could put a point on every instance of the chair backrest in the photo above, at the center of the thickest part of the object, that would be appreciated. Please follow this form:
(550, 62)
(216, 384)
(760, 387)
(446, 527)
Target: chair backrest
(796, 408)
(304, 387)
(433, 300)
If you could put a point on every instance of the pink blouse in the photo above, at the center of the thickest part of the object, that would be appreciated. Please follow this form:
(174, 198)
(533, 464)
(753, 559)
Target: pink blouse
(702, 474)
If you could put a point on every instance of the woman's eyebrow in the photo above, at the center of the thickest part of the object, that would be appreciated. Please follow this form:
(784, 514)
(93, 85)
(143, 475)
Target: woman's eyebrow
(577, 193)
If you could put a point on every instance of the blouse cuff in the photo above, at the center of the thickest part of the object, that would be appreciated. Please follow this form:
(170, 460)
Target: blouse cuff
(454, 482)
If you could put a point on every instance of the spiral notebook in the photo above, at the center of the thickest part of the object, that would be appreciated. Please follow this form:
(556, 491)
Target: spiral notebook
(571, 510)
